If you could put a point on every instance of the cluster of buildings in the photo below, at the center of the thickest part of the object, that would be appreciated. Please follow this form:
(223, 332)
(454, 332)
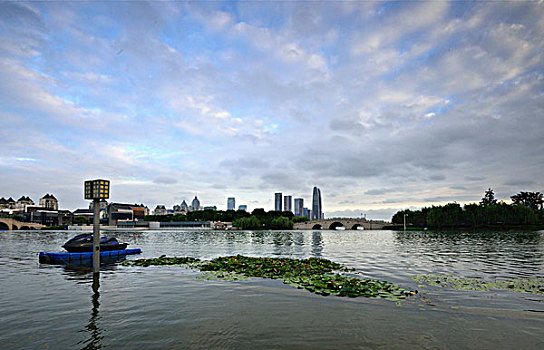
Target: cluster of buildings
(182, 208)
(46, 212)
(285, 203)
(112, 213)
(231, 204)
(282, 203)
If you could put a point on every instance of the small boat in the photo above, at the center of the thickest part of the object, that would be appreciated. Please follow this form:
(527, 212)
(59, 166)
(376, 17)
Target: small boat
(340, 228)
(84, 243)
(85, 259)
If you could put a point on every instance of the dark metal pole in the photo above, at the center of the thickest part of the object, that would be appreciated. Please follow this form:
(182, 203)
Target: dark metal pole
(96, 235)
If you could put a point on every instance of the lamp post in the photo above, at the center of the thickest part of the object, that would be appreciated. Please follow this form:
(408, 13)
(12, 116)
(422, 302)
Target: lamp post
(96, 190)
(405, 215)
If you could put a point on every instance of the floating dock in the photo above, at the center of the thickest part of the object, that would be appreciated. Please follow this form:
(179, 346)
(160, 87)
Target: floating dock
(86, 258)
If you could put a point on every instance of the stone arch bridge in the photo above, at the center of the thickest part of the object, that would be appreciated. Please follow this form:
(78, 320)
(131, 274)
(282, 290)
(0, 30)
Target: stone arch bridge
(346, 223)
(12, 224)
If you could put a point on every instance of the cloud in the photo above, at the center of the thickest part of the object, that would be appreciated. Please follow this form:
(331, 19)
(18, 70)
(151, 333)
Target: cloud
(165, 181)
(375, 103)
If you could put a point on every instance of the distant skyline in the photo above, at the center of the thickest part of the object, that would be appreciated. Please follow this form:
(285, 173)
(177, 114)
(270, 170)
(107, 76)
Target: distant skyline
(381, 105)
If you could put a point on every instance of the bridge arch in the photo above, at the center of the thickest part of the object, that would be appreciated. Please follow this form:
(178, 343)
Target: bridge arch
(357, 227)
(4, 226)
(317, 227)
(335, 224)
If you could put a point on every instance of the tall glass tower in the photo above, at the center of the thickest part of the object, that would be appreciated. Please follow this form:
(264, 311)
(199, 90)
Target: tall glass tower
(277, 197)
(316, 205)
(299, 207)
(288, 203)
(231, 203)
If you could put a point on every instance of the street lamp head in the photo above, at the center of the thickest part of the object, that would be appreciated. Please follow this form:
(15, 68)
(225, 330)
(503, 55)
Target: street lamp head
(97, 189)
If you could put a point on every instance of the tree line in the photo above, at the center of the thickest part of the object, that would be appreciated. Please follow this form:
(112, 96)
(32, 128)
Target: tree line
(526, 209)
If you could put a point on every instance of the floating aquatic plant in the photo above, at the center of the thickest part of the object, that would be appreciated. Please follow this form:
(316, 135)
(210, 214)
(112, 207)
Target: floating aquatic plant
(320, 276)
(162, 260)
(522, 285)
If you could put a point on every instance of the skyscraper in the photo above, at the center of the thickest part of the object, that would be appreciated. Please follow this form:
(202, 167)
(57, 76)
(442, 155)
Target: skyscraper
(277, 205)
(231, 203)
(316, 205)
(299, 207)
(288, 203)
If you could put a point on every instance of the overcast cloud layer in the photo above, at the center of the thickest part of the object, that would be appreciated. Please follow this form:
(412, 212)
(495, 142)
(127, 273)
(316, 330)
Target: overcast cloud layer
(384, 106)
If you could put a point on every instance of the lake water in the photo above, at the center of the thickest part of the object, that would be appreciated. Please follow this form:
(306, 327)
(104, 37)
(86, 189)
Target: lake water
(167, 307)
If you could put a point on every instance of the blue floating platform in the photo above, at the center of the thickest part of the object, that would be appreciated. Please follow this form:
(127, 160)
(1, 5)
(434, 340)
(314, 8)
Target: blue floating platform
(59, 258)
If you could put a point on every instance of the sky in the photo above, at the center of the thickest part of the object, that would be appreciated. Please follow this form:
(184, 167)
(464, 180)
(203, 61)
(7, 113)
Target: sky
(383, 106)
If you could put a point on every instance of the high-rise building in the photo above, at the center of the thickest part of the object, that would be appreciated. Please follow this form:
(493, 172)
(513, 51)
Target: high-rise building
(231, 203)
(299, 207)
(288, 203)
(277, 197)
(317, 210)
(307, 213)
(242, 207)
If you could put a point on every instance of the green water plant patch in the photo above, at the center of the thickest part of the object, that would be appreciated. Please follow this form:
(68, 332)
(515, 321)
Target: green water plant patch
(319, 276)
(162, 260)
(523, 285)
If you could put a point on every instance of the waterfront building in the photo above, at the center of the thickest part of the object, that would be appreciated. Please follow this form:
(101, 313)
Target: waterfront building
(184, 206)
(231, 203)
(299, 207)
(120, 212)
(103, 204)
(65, 217)
(83, 215)
(49, 201)
(242, 207)
(23, 202)
(7, 203)
(195, 204)
(277, 203)
(316, 204)
(45, 217)
(288, 203)
(139, 211)
(160, 210)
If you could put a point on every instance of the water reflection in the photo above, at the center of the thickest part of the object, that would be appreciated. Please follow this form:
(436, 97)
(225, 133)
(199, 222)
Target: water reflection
(317, 244)
(501, 254)
(94, 332)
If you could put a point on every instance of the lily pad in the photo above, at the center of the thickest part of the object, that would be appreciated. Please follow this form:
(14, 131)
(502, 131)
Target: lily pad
(319, 276)
(523, 285)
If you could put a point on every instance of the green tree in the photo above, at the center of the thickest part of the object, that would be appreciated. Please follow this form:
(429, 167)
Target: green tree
(533, 200)
(489, 198)
(300, 219)
(79, 219)
(281, 222)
